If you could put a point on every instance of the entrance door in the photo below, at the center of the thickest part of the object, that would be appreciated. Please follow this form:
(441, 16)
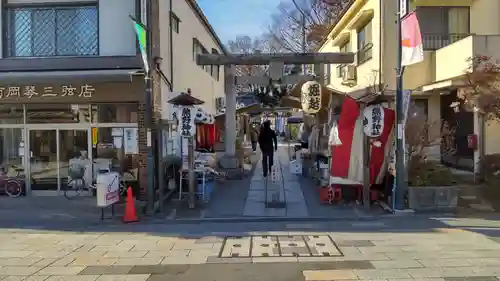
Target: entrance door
(74, 152)
(50, 153)
(43, 164)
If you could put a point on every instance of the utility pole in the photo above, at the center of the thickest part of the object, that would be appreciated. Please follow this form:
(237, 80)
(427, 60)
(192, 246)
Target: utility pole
(149, 109)
(400, 181)
(304, 42)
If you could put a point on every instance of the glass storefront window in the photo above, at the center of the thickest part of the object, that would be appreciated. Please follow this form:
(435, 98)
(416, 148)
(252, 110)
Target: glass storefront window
(11, 150)
(11, 114)
(115, 113)
(109, 152)
(57, 113)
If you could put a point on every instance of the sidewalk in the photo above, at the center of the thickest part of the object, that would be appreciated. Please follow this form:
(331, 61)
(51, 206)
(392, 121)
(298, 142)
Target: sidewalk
(423, 249)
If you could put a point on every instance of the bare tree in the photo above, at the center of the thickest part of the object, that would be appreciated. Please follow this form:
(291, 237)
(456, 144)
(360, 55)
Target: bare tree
(244, 44)
(301, 25)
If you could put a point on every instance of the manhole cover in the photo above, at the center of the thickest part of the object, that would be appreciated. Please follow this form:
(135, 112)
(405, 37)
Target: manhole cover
(279, 246)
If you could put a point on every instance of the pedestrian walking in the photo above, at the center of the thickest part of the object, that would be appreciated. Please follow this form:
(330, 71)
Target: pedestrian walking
(268, 143)
(254, 137)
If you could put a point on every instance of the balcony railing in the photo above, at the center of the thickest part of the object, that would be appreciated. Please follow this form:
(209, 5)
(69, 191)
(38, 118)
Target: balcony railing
(434, 42)
(340, 70)
(365, 53)
(52, 31)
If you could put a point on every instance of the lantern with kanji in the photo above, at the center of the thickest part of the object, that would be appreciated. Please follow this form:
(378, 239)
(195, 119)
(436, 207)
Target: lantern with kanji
(311, 97)
(373, 120)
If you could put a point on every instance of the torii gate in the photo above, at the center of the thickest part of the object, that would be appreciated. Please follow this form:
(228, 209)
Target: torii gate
(276, 62)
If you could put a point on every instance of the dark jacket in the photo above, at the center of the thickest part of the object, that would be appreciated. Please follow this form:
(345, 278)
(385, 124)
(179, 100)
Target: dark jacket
(267, 138)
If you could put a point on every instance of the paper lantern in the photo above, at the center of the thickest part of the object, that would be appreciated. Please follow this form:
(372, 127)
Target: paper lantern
(200, 114)
(311, 97)
(373, 120)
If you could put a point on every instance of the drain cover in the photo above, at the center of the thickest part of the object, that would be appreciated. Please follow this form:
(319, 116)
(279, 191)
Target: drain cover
(279, 246)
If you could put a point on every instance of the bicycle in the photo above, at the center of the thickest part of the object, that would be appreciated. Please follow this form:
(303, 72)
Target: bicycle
(11, 186)
(77, 183)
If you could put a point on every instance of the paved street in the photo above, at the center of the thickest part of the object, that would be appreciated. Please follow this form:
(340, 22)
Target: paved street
(400, 248)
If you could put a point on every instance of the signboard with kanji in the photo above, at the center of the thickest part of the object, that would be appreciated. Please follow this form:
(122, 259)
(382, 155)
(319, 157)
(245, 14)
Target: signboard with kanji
(47, 92)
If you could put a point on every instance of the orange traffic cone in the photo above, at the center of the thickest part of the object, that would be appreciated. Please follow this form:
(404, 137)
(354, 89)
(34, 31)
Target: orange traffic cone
(130, 213)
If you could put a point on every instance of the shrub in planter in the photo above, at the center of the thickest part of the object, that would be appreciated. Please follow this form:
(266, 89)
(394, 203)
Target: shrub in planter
(429, 173)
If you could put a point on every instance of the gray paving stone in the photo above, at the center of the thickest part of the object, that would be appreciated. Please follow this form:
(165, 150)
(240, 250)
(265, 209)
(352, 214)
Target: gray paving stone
(474, 278)
(355, 243)
(159, 269)
(229, 260)
(103, 270)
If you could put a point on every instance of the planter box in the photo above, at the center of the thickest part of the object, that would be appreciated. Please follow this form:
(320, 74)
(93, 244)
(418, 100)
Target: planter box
(432, 198)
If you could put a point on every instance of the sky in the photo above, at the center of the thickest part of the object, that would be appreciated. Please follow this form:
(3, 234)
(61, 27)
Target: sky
(231, 18)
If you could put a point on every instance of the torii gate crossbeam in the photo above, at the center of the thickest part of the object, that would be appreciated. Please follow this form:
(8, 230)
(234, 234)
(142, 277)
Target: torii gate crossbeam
(276, 62)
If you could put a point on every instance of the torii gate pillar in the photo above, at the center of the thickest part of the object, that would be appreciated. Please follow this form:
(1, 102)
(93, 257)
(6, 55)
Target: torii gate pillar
(230, 130)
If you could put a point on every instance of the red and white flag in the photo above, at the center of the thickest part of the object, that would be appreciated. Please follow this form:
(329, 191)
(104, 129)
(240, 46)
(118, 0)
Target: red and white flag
(347, 158)
(411, 41)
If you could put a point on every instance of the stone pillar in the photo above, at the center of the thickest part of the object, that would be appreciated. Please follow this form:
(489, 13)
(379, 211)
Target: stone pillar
(230, 161)
(230, 89)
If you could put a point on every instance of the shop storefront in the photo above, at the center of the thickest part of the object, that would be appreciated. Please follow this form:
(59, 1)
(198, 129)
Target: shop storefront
(43, 126)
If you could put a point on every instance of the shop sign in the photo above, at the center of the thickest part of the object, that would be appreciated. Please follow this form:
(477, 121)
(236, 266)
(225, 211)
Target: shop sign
(277, 114)
(373, 120)
(311, 97)
(16, 92)
(107, 189)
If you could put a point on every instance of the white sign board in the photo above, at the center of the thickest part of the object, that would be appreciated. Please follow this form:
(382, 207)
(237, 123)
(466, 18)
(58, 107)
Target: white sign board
(108, 189)
(403, 8)
(130, 141)
(373, 120)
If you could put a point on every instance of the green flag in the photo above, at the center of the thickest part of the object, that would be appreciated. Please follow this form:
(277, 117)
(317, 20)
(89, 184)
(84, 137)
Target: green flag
(143, 45)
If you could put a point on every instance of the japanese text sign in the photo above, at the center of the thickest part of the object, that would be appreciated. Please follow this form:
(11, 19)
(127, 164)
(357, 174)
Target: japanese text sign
(28, 92)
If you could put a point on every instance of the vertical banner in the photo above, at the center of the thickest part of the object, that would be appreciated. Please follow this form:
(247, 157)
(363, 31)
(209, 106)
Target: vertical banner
(411, 41)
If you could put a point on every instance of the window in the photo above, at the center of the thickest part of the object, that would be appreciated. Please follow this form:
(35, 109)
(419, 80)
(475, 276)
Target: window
(175, 22)
(114, 113)
(215, 68)
(341, 67)
(198, 48)
(365, 43)
(52, 31)
(447, 25)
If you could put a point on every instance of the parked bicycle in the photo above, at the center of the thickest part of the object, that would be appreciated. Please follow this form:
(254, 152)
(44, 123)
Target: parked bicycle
(77, 183)
(11, 186)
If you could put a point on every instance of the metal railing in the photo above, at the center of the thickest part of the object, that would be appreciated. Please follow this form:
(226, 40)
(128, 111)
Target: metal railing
(52, 31)
(340, 70)
(365, 53)
(432, 41)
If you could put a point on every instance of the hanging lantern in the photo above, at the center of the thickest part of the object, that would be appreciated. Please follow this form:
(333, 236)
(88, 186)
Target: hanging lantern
(373, 120)
(311, 97)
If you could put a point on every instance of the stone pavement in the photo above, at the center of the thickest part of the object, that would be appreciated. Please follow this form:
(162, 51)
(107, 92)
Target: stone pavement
(278, 195)
(397, 249)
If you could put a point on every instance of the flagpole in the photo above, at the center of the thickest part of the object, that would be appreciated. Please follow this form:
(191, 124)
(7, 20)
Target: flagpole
(149, 111)
(400, 182)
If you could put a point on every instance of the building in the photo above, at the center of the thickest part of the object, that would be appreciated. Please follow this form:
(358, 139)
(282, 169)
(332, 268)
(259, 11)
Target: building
(192, 35)
(72, 84)
(452, 32)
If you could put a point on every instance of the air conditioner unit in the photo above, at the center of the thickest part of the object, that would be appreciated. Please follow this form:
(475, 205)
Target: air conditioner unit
(349, 75)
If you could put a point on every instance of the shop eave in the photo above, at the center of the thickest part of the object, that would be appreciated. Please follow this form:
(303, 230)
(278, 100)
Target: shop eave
(78, 63)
